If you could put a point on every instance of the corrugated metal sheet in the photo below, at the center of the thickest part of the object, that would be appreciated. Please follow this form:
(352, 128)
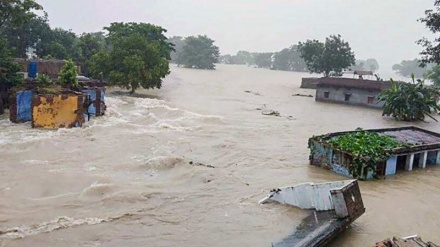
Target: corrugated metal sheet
(57, 111)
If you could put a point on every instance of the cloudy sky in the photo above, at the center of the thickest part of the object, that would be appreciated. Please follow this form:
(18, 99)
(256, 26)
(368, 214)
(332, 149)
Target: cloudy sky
(382, 29)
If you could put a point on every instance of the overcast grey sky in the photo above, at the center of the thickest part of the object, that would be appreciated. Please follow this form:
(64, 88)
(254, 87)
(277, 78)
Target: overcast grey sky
(382, 29)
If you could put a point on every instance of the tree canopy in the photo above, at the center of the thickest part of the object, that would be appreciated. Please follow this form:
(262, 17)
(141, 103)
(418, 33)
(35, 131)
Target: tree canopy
(329, 58)
(138, 56)
(409, 101)
(431, 53)
(369, 64)
(409, 67)
(289, 59)
(178, 43)
(198, 52)
(14, 13)
(8, 68)
(263, 60)
(434, 75)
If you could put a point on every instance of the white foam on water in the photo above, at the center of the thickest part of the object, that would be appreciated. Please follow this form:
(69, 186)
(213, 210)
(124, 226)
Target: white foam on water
(46, 227)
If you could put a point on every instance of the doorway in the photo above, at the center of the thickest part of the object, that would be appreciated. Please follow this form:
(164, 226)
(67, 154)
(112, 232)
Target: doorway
(401, 163)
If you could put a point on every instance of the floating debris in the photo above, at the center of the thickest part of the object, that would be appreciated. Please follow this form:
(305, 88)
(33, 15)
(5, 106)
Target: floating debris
(336, 205)
(303, 95)
(411, 241)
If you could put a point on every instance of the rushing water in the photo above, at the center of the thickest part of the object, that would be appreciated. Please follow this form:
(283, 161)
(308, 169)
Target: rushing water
(187, 164)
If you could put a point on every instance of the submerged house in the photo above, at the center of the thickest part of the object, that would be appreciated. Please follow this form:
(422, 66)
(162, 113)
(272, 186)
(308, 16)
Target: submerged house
(414, 148)
(350, 91)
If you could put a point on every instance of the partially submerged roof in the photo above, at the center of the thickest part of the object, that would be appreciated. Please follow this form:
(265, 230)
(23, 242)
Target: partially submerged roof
(417, 138)
(354, 83)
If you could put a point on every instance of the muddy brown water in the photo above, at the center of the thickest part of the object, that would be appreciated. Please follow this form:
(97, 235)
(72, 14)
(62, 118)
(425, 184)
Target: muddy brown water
(126, 179)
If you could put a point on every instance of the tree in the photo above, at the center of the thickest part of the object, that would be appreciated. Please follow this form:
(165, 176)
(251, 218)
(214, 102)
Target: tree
(178, 43)
(198, 52)
(225, 59)
(329, 58)
(431, 53)
(408, 67)
(370, 64)
(263, 60)
(243, 57)
(68, 75)
(409, 101)
(88, 45)
(139, 56)
(14, 13)
(434, 75)
(8, 69)
(27, 35)
(289, 59)
(60, 44)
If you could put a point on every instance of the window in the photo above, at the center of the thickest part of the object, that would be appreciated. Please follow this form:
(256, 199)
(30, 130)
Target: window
(347, 97)
(326, 95)
(370, 100)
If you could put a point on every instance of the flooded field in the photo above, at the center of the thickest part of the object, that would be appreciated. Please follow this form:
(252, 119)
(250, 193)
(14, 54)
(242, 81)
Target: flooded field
(187, 164)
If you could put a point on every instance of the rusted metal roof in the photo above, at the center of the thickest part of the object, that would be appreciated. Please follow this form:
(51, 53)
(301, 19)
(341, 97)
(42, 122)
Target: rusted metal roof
(353, 83)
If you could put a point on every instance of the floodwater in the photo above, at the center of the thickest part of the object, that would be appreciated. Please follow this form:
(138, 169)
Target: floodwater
(187, 164)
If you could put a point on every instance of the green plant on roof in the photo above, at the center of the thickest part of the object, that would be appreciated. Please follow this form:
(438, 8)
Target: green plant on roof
(44, 80)
(68, 75)
(366, 148)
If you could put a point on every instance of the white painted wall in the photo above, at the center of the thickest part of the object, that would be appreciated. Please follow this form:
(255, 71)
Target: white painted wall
(308, 195)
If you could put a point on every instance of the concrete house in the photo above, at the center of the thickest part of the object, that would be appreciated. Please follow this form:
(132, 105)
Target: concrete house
(422, 150)
(350, 91)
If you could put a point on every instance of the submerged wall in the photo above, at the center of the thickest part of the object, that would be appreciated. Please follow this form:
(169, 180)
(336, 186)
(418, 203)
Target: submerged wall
(64, 110)
(349, 96)
(96, 105)
(309, 83)
(21, 106)
(334, 160)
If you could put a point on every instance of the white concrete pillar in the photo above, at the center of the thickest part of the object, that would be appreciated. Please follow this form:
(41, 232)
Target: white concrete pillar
(422, 159)
(409, 162)
(437, 161)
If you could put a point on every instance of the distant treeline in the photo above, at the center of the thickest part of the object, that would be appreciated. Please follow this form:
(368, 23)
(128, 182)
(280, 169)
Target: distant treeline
(408, 67)
(288, 59)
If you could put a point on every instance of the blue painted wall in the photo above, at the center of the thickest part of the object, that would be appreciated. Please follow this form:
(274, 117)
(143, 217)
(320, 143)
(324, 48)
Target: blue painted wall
(391, 166)
(341, 170)
(321, 155)
(92, 94)
(24, 106)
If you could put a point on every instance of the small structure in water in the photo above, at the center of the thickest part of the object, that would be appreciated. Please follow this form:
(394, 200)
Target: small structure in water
(350, 91)
(59, 110)
(335, 205)
(411, 241)
(375, 153)
(26, 98)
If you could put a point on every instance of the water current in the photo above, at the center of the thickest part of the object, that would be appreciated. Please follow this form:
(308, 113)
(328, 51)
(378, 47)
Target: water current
(186, 165)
